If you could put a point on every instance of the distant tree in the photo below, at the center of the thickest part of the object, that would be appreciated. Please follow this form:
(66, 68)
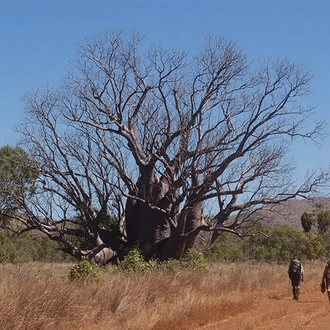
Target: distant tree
(18, 174)
(225, 248)
(319, 218)
(277, 243)
(269, 243)
(323, 221)
(155, 140)
(314, 248)
(307, 221)
(27, 247)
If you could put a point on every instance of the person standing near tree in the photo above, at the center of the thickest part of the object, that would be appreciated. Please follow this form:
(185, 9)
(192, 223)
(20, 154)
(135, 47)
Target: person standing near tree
(326, 279)
(296, 275)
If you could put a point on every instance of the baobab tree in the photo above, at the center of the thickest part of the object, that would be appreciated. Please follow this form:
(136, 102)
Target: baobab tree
(163, 149)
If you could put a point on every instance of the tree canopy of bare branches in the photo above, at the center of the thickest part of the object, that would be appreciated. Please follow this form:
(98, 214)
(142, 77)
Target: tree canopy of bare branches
(163, 148)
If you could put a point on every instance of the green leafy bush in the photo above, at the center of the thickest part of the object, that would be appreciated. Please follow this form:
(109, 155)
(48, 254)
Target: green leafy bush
(8, 250)
(29, 246)
(226, 248)
(84, 270)
(134, 262)
(314, 247)
(172, 265)
(195, 260)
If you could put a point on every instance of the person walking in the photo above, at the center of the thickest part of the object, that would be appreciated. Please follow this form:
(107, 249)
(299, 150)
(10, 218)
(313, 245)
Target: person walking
(296, 275)
(326, 278)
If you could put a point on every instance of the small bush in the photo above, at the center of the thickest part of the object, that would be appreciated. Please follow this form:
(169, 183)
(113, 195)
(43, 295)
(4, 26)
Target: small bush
(195, 260)
(134, 262)
(226, 248)
(172, 265)
(84, 270)
(191, 261)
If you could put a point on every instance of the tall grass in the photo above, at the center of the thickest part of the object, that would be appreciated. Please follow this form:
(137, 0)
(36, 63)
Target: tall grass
(41, 296)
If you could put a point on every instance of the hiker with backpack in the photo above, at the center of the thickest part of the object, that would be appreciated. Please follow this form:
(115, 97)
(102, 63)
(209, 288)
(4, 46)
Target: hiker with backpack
(296, 274)
(325, 284)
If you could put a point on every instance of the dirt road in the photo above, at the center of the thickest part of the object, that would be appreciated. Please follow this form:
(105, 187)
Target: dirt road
(311, 312)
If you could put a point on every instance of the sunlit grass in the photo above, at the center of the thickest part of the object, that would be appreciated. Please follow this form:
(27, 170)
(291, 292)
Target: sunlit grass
(41, 296)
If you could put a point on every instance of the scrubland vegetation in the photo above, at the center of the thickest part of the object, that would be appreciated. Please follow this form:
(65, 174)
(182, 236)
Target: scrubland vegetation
(28, 247)
(43, 289)
(42, 296)
(271, 244)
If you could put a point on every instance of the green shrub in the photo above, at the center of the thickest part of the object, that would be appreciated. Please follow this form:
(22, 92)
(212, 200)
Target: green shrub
(172, 265)
(276, 244)
(134, 262)
(29, 246)
(84, 270)
(226, 248)
(314, 247)
(8, 250)
(191, 261)
(194, 260)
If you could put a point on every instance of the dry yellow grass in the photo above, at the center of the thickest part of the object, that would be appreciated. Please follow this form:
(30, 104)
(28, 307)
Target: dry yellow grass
(40, 296)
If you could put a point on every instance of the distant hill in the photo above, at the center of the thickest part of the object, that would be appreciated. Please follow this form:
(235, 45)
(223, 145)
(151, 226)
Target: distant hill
(291, 211)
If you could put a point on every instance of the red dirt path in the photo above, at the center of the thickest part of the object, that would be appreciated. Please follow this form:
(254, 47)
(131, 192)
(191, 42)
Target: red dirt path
(311, 312)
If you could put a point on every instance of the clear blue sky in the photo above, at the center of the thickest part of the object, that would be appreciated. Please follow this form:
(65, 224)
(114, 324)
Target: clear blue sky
(38, 39)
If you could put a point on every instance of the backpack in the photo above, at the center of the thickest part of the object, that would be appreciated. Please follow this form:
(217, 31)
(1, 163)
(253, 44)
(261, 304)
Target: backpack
(295, 268)
(328, 271)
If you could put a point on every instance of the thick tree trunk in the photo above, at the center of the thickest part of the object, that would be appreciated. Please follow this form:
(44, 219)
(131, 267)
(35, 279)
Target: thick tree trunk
(105, 246)
(145, 226)
(132, 221)
(146, 218)
(183, 237)
(194, 220)
(103, 255)
(205, 239)
(148, 223)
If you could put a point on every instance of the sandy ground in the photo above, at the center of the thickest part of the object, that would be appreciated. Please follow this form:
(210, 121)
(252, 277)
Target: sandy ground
(311, 312)
(269, 309)
(280, 313)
